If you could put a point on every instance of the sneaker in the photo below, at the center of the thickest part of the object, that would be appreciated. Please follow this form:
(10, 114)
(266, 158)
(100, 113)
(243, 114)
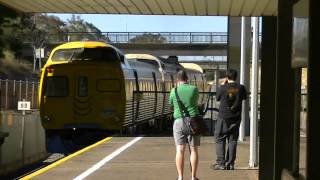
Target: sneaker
(217, 167)
(230, 167)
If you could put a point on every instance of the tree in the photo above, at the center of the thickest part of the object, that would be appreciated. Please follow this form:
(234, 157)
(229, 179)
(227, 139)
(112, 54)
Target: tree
(79, 30)
(41, 28)
(148, 38)
(38, 29)
(6, 15)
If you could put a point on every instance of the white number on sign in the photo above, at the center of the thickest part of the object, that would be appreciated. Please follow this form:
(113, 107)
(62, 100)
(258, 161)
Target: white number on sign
(23, 105)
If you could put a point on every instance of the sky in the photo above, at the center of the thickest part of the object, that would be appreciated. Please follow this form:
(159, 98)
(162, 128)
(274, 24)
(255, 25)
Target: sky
(154, 23)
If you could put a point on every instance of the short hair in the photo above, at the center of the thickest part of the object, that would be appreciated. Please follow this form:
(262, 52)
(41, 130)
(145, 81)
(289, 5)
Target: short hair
(182, 75)
(232, 74)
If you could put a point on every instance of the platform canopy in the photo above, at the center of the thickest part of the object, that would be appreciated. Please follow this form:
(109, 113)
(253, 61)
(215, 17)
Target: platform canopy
(149, 7)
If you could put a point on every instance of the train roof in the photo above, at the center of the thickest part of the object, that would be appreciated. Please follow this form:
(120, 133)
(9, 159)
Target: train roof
(150, 57)
(145, 58)
(142, 56)
(83, 44)
(192, 66)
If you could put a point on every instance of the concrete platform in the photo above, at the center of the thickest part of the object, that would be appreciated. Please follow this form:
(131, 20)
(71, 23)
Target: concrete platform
(151, 158)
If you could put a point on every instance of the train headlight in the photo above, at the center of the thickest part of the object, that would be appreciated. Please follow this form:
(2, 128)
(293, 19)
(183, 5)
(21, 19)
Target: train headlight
(47, 118)
(49, 69)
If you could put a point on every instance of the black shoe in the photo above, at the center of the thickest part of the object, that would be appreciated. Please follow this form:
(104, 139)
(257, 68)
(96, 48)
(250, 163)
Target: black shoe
(217, 167)
(230, 167)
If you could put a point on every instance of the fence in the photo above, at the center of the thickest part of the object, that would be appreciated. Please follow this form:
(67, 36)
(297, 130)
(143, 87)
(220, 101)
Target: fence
(147, 106)
(12, 91)
(142, 37)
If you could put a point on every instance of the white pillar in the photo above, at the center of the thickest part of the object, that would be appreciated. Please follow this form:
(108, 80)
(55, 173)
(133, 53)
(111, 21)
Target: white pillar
(242, 76)
(253, 160)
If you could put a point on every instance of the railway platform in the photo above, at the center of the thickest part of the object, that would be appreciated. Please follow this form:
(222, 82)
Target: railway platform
(141, 158)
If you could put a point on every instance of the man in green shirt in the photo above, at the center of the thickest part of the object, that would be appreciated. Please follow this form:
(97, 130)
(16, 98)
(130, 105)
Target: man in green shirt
(189, 95)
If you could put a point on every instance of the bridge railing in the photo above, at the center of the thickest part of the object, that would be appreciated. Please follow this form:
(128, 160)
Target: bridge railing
(143, 37)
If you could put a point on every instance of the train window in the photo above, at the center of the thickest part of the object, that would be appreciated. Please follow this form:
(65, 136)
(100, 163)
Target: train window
(56, 86)
(108, 85)
(121, 58)
(102, 54)
(153, 62)
(83, 86)
(63, 54)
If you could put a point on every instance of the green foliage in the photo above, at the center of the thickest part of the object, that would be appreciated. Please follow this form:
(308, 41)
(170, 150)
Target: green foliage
(81, 27)
(37, 30)
(40, 28)
(13, 68)
(6, 15)
(148, 38)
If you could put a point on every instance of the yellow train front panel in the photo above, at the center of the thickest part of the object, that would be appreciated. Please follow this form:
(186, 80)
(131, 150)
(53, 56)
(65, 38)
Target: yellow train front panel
(83, 94)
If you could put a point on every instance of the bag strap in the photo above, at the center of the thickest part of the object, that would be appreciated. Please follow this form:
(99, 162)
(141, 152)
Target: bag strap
(182, 108)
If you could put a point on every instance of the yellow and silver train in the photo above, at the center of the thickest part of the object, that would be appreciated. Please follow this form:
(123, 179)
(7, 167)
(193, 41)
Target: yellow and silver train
(93, 86)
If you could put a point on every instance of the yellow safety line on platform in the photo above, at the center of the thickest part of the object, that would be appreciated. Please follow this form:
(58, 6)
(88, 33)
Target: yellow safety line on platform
(42, 170)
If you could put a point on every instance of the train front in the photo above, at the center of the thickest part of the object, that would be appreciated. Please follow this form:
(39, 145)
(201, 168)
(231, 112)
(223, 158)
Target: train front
(82, 96)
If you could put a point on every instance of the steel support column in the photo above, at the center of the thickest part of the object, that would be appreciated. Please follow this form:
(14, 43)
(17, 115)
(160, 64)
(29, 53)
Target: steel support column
(267, 98)
(285, 87)
(253, 161)
(243, 75)
(313, 123)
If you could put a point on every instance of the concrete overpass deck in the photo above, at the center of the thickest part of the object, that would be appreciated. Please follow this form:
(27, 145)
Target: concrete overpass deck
(149, 158)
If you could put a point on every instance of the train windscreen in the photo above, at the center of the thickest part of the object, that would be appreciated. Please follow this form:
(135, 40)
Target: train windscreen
(56, 86)
(100, 54)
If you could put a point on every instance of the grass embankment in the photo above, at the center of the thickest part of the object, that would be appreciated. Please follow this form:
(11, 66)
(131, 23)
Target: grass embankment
(16, 69)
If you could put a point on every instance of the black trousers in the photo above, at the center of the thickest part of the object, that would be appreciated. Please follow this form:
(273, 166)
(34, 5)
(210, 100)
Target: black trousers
(227, 131)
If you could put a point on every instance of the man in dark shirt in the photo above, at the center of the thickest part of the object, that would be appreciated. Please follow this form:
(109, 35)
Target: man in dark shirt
(230, 95)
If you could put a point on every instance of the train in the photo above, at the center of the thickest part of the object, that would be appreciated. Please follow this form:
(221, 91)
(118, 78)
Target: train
(90, 87)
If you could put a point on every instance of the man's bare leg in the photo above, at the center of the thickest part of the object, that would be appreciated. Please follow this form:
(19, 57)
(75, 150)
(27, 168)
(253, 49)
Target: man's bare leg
(180, 160)
(194, 159)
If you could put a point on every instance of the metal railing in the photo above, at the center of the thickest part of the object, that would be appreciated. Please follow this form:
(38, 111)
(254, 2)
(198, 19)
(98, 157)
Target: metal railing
(168, 37)
(148, 105)
(142, 37)
(12, 91)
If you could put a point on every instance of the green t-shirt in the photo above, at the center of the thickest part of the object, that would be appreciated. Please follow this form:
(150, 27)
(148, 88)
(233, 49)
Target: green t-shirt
(189, 95)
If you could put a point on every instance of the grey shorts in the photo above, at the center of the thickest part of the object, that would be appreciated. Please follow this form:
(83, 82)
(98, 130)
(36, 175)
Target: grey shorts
(181, 136)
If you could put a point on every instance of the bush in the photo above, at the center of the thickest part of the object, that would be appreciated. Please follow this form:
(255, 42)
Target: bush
(18, 69)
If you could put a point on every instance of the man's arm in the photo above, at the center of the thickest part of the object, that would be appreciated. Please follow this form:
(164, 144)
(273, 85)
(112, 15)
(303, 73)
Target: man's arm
(244, 91)
(218, 95)
(171, 98)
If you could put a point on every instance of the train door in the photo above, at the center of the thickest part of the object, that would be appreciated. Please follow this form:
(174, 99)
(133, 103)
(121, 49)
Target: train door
(82, 94)
(155, 92)
(136, 93)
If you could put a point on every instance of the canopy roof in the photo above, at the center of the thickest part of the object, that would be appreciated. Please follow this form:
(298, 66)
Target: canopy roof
(149, 7)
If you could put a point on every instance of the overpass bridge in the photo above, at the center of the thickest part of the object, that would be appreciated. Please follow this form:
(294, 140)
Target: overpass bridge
(156, 43)
(279, 140)
(208, 66)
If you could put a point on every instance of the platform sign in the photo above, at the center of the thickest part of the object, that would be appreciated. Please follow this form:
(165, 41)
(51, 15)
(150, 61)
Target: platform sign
(23, 105)
(40, 53)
